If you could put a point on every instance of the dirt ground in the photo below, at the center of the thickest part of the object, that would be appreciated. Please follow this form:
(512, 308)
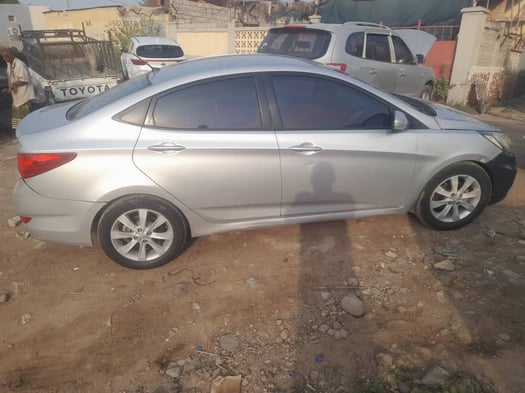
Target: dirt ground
(443, 311)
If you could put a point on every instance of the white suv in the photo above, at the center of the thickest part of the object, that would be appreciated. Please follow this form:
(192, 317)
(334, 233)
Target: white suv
(146, 53)
(385, 58)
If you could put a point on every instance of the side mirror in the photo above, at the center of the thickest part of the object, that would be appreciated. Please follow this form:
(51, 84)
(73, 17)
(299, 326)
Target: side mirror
(420, 59)
(400, 122)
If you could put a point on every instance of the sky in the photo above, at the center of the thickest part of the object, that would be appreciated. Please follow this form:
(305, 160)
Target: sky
(76, 4)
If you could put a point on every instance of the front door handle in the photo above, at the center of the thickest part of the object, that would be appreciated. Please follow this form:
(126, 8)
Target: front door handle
(167, 147)
(306, 148)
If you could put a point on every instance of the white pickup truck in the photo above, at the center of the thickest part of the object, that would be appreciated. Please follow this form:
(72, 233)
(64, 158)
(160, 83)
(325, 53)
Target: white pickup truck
(67, 65)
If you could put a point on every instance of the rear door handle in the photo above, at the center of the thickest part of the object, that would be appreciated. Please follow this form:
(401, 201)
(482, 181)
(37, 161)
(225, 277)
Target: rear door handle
(167, 147)
(372, 72)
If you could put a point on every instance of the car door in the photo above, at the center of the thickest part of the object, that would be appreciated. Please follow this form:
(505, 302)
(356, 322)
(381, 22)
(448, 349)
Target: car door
(409, 76)
(382, 73)
(207, 144)
(338, 152)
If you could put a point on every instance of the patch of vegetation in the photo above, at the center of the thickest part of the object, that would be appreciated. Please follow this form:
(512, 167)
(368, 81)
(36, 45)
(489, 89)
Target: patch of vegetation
(441, 89)
(122, 31)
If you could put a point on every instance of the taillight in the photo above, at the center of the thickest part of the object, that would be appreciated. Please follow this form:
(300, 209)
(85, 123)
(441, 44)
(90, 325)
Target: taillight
(340, 66)
(139, 62)
(25, 219)
(30, 165)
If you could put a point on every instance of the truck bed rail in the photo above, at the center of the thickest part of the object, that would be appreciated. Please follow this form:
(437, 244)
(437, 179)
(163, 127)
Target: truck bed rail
(69, 53)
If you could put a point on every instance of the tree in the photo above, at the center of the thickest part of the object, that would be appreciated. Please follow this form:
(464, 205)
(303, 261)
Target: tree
(9, 2)
(123, 30)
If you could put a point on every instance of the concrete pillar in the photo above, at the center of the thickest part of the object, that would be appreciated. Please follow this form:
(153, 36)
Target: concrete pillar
(231, 37)
(473, 21)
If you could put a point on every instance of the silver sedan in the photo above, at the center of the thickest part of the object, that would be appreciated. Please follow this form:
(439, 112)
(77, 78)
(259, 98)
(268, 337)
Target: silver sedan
(234, 142)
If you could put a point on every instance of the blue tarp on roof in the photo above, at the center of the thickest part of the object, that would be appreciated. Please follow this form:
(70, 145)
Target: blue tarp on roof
(393, 12)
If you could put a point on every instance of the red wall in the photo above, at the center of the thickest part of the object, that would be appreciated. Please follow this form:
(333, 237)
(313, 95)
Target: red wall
(441, 58)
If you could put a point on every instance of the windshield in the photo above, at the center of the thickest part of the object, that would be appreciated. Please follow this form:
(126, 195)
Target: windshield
(298, 42)
(91, 104)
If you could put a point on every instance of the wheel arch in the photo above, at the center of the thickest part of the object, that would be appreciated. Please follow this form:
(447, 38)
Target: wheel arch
(453, 209)
(96, 219)
(422, 184)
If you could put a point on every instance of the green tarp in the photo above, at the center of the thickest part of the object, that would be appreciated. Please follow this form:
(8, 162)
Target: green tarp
(394, 13)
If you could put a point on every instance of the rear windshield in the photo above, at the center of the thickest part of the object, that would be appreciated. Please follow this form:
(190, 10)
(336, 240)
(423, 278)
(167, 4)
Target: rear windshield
(308, 43)
(160, 51)
(91, 104)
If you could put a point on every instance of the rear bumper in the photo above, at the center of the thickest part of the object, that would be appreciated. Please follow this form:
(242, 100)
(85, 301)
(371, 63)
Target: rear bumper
(57, 221)
(502, 171)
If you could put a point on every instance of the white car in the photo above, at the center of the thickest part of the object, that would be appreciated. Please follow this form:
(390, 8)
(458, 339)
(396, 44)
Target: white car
(146, 53)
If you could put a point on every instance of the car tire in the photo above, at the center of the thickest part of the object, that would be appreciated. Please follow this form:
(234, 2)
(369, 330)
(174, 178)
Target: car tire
(142, 232)
(454, 197)
(426, 93)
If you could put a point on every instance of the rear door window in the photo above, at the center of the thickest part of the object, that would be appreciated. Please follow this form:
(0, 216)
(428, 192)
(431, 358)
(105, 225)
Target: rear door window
(230, 104)
(297, 42)
(378, 47)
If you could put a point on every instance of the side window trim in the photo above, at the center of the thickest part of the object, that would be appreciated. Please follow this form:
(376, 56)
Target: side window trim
(389, 46)
(273, 103)
(260, 94)
(351, 40)
(399, 39)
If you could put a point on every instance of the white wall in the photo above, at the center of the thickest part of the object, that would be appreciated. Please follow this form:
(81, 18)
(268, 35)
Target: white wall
(27, 17)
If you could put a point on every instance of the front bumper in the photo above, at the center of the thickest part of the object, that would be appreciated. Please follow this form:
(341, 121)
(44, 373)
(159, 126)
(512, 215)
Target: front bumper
(502, 171)
(53, 220)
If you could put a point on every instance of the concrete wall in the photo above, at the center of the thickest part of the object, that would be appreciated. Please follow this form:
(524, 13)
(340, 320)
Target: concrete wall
(203, 42)
(198, 42)
(16, 16)
(467, 51)
(96, 21)
(188, 14)
(486, 69)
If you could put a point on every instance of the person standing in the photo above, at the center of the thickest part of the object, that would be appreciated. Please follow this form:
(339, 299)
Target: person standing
(19, 85)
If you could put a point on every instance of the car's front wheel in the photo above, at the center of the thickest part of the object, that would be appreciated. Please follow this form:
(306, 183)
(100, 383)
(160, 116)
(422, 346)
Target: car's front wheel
(454, 196)
(142, 232)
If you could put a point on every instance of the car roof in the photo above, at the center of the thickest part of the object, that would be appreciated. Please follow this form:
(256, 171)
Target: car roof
(333, 27)
(237, 64)
(155, 41)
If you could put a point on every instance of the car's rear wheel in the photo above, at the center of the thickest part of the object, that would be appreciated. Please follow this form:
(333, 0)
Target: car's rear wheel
(142, 232)
(454, 196)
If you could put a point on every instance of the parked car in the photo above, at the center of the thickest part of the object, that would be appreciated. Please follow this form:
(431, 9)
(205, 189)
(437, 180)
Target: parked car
(146, 53)
(385, 58)
(241, 141)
